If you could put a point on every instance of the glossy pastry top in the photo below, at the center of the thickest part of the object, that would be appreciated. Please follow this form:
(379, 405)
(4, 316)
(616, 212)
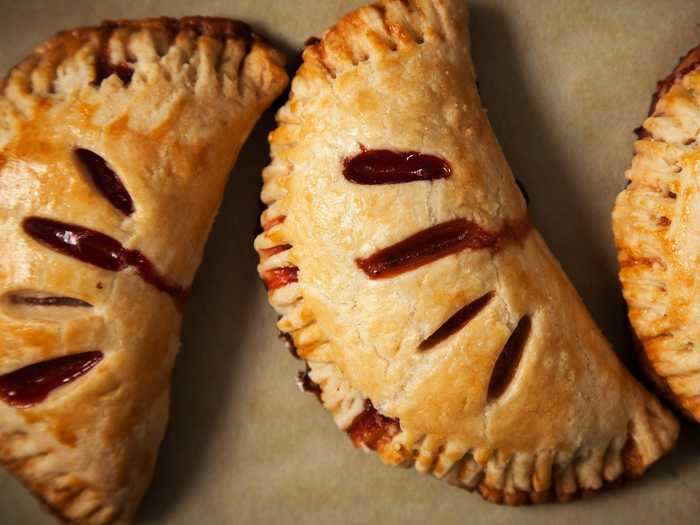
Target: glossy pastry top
(116, 143)
(419, 282)
(656, 223)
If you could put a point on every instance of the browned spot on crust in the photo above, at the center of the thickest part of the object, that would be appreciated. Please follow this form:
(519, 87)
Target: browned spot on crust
(640, 261)
(656, 337)
(664, 221)
(521, 497)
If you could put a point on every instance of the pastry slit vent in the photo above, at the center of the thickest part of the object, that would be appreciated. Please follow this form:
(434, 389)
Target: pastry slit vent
(32, 384)
(394, 167)
(106, 180)
(507, 363)
(437, 242)
(99, 250)
(38, 299)
(45, 306)
(458, 320)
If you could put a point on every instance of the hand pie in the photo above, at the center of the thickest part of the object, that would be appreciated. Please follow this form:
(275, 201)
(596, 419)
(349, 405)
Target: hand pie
(656, 223)
(115, 146)
(437, 327)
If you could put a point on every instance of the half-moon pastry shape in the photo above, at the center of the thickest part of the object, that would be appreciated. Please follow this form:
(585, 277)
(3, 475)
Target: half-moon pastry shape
(437, 327)
(657, 231)
(116, 143)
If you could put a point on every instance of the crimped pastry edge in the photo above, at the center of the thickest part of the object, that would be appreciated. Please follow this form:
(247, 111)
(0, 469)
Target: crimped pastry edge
(65, 494)
(653, 180)
(499, 476)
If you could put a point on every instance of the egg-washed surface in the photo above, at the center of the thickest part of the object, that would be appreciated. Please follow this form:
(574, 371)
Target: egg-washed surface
(656, 223)
(573, 176)
(397, 211)
(107, 134)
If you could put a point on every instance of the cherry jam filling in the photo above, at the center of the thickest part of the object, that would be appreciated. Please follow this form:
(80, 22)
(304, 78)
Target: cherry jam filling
(97, 249)
(106, 180)
(308, 385)
(32, 384)
(279, 277)
(394, 167)
(456, 322)
(435, 243)
(509, 359)
(371, 429)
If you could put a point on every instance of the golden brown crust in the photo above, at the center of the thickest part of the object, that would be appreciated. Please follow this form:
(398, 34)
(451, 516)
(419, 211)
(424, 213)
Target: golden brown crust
(397, 76)
(654, 224)
(166, 104)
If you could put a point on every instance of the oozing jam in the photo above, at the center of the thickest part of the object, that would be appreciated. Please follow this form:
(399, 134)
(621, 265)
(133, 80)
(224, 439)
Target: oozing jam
(456, 322)
(49, 301)
(371, 429)
(97, 249)
(393, 167)
(289, 343)
(279, 277)
(436, 242)
(267, 224)
(307, 384)
(106, 180)
(105, 69)
(32, 384)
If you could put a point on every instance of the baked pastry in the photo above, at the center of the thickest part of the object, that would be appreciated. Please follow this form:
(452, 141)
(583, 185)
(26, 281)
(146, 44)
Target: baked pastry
(437, 327)
(115, 146)
(655, 228)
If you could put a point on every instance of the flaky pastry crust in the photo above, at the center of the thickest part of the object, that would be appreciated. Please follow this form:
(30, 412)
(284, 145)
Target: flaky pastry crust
(655, 224)
(565, 418)
(166, 104)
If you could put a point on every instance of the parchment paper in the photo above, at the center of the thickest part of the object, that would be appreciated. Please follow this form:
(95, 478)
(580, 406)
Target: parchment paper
(565, 82)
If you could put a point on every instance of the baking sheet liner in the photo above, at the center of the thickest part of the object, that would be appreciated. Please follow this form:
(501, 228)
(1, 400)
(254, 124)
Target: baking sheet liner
(565, 83)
